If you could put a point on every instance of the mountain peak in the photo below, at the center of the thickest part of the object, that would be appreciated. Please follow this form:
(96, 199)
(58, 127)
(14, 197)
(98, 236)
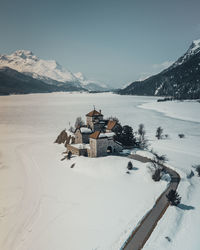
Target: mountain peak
(24, 54)
(195, 45)
(80, 76)
(181, 80)
(49, 71)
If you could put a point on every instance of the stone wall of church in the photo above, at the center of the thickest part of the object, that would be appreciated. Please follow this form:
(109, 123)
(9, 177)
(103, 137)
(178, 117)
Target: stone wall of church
(89, 121)
(93, 145)
(93, 122)
(99, 147)
(78, 137)
(77, 151)
(81, 138)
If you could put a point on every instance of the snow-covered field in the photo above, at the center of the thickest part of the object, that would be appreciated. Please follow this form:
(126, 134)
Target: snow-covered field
(181, 225)
(45, 204)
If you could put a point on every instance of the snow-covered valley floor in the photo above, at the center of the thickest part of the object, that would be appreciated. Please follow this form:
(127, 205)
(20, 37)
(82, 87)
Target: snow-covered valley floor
(45, 204)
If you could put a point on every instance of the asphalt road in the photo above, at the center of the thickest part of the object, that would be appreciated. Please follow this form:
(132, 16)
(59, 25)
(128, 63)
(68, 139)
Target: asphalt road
(142, 233)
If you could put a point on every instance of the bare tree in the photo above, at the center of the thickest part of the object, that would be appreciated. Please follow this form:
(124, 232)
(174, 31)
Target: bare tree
(159, 133)
(71, 129)
(141, 131)
(157, 167)
(159, 159)
(113, 118)
(142, 141)
(79, 122)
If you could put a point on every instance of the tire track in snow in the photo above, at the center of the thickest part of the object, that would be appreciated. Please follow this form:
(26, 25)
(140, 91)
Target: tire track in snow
(29, 207)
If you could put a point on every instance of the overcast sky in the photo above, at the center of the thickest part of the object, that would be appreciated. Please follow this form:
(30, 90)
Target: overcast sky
(113, 41)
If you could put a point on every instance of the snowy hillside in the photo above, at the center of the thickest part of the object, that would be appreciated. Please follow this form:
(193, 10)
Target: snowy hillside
(15, 82)
(49, 71)
(181, 80)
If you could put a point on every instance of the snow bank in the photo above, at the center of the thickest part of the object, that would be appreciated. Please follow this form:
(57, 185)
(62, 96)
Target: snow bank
(144, 153)
(186, 110)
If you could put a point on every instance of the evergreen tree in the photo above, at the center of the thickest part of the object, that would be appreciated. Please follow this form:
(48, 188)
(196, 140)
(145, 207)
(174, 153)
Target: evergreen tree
(173, 197)
(127, 138)
(130, 165)
(118, 131)
(157, 174)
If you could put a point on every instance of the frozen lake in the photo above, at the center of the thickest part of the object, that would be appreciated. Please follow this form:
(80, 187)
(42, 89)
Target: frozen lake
(53, 112)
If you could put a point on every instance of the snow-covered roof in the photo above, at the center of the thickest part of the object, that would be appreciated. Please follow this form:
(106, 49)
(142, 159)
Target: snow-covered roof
(69, 133)
(81, 146)
(85, 130)
(98, 134)
(111, 134)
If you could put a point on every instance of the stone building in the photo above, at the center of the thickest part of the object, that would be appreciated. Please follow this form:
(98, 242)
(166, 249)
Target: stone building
(102, 144)
(95, 121)
(96, 138)
(82, 135)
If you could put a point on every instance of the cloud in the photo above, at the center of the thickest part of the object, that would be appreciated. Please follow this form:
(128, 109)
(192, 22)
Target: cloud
(144, 76)
(155, 69)
(162, 65)
(198, 27)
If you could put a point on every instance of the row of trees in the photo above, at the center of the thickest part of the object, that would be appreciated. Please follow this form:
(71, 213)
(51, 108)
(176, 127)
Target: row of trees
(129, 138)
(158, 171)
(125, 134)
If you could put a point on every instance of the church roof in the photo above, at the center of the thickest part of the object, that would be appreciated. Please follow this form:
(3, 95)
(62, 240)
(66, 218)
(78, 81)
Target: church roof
(95, 135)
(111, 124)
(98, 134)
(93, 113)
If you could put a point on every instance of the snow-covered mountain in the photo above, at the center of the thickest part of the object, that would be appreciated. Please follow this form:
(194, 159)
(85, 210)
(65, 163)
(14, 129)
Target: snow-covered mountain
(49, 71)
(181, 80)
(193, 49)
(15, 82)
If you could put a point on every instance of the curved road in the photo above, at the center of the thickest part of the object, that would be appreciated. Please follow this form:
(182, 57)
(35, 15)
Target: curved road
(142, 233)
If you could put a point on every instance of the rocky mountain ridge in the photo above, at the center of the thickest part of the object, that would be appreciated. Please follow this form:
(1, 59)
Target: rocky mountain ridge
(181, 80)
